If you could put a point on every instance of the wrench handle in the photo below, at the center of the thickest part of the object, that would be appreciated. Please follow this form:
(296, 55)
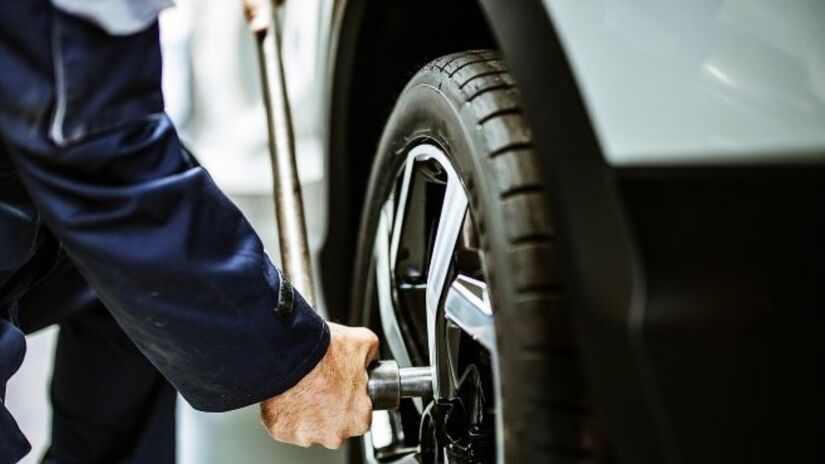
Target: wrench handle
(289, 205)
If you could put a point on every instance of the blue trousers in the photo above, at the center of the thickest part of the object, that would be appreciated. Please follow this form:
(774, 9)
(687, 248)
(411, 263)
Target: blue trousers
(109, 227)
(110, 404)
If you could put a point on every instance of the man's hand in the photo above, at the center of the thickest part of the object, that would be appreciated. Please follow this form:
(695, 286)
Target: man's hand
(331, 403)
(259, 13)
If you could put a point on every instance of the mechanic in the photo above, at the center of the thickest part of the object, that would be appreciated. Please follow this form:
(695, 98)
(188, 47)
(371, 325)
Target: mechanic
(111, 229)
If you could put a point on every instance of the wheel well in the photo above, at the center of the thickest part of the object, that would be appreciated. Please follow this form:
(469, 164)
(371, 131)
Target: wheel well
(382, 45)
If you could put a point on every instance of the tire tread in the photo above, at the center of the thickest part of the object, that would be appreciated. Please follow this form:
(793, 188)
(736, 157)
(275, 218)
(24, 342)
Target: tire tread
(547, 347)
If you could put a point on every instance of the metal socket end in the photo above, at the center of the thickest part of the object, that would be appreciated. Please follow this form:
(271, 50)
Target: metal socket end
(388, 384)
(384, 386)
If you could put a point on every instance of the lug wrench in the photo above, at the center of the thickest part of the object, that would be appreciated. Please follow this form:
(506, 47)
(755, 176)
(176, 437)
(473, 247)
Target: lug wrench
(387, 382)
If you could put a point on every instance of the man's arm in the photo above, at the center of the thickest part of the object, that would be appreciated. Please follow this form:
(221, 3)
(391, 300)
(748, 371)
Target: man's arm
(188, 279)
(171, 257)
(176, 263)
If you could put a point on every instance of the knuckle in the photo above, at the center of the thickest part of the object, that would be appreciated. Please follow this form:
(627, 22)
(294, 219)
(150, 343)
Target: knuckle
(266, 417)
(270, 427)
(365, 334)
(360, 422)
(371, 336)
(282, 436)
(301, 442)
(364, 409)
(363, 426)
(358, 429)
(333, 443)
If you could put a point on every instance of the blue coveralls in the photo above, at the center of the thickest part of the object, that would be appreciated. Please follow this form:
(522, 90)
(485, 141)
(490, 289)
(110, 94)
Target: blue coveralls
(103, 213)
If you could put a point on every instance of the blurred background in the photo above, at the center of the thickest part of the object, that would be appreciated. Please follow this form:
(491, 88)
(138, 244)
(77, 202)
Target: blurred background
(213, 95)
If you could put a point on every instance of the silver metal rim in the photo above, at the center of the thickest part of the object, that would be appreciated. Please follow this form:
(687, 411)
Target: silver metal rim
(463, 301)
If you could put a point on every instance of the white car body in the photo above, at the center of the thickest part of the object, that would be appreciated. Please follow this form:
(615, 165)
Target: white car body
(701, 82)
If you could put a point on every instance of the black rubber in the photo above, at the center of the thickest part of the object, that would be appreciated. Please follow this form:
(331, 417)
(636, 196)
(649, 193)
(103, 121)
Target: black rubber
(469, 105)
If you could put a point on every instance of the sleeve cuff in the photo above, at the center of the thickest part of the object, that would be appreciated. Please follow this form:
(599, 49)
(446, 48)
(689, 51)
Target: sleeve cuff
(304, 367)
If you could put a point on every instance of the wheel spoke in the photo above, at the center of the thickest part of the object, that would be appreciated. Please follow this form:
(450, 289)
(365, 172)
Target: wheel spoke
(400, 214)
(449, 227)
(451, 218)
(468, 306)
(384, 283)
(408, 459)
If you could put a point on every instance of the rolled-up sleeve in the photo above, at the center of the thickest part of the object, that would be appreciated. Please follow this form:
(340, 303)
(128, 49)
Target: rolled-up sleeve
(175, 261)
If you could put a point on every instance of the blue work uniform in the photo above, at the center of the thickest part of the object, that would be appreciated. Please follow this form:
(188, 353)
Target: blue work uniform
(110, 228)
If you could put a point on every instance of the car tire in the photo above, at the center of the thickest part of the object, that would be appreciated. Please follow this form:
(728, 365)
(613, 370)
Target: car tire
(469, 105)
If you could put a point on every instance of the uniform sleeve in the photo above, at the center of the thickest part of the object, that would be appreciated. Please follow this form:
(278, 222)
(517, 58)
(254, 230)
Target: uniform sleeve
(175, 262)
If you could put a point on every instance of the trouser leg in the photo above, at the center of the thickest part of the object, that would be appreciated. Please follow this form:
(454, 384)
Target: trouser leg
(110, 405)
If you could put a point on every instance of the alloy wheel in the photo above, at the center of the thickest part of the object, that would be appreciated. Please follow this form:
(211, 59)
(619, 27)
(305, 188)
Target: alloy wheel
(430, 300)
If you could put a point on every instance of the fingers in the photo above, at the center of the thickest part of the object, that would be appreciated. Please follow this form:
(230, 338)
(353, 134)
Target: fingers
(330, 431)
(304, 436)
(330, 404)
(362, 340)
(332, 444)
(361, 418)
(372, 347)
(258, 14)
(309, 437)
